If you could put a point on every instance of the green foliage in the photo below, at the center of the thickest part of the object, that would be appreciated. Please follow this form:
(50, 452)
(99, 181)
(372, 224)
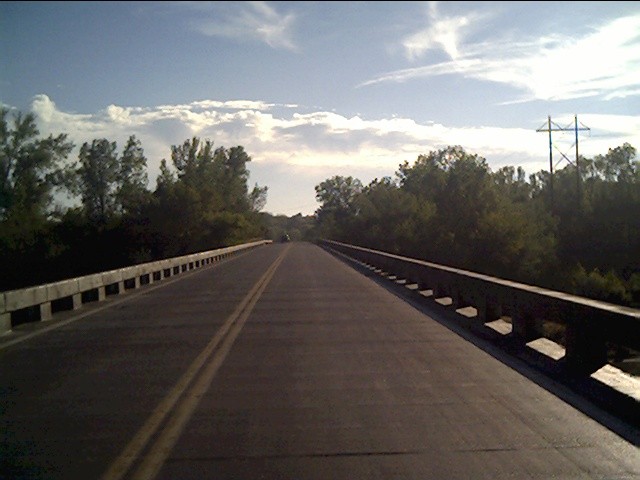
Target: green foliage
(448, 207)
(206, 202)
(388, 216)
(30, 168)
(107, 184)
(131, 191)
(298, 227)
(258, 198)
(203, 202)
(95, 178)
(337, 195)
(516, 242)
(512, 183)
(634, 289)
(595, 285)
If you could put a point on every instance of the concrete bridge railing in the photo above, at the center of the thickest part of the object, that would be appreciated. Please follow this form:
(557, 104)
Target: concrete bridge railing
(41, 301)
(590, 325)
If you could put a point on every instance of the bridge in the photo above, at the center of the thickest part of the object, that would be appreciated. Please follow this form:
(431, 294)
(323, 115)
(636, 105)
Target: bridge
(304, 361)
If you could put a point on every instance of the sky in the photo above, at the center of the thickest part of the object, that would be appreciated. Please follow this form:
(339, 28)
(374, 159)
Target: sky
(317, 89)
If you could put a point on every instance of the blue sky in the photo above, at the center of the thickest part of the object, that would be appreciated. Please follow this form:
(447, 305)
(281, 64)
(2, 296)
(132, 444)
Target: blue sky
(316, 89)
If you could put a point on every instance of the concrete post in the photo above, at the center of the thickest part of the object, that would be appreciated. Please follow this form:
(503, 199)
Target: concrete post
(5, 322)
(488, 310)
(524, 325)
(77, 301)
(45, 311)
(457, 300)
(586, 349)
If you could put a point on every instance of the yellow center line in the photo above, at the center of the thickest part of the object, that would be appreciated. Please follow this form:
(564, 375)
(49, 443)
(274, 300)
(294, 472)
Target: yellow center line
(153, 461)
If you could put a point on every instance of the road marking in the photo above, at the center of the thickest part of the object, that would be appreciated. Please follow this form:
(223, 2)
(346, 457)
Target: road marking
(198, 374)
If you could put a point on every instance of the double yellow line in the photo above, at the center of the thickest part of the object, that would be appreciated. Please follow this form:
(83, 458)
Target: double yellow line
(175, 410)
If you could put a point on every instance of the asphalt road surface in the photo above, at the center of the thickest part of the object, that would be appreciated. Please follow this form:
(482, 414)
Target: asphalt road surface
(279, 363)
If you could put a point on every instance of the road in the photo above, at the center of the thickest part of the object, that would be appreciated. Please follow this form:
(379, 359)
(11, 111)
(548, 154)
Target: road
(283, 362)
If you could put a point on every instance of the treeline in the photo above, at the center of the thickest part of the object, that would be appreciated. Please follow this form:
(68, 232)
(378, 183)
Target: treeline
(201, 201)
(575, 231)
(297, 227)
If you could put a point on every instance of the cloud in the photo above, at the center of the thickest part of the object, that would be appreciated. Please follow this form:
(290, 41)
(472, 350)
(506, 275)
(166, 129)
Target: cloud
(319, 143)
(250, 20)
(605, 62)
(443, 33)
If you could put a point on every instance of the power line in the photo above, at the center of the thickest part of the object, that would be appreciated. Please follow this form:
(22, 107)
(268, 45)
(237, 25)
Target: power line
(554, 127)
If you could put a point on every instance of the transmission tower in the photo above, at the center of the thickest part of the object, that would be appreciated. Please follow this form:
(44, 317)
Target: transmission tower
(553, 127)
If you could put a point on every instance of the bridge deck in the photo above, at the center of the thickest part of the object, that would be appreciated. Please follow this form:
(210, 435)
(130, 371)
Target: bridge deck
(279, 363)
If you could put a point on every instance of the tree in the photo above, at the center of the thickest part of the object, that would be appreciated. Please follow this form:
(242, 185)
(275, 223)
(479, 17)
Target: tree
(336, 195)
(298, 227)
(460, 186)
(605, 232)
(426, 178)
(131, 178)
(29, 168)
(95, 179)
(194, 161)
(390, 218)
(234, 179)
(618, 165)
(512, 183)
(258, 198)
(165, 180)
(207, 202)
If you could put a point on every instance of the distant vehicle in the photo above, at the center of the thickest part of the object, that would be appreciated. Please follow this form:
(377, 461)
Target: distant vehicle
(285, 238)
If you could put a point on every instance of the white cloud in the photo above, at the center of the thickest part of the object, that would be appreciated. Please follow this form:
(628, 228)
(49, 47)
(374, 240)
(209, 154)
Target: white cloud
(320, 141)
(250, 20)
(443, 32)
(231, 105)
(605, 62)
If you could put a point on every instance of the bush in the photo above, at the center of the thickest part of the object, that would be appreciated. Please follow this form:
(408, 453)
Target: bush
(608, 288)
(633, 286)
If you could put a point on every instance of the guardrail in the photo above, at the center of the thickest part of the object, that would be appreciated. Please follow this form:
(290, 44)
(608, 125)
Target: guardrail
(41, 301)
(590, 325)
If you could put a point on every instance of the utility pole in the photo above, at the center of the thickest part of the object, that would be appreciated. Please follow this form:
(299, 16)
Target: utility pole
(575, 123)
(549, 129)
(551, 126)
